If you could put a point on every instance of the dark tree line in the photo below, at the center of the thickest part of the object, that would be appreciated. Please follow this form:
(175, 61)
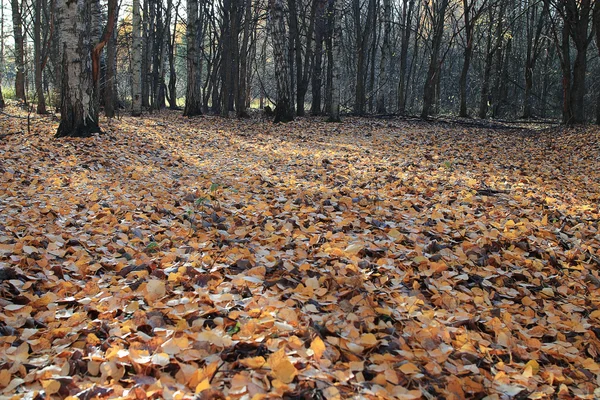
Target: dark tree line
(470, 58)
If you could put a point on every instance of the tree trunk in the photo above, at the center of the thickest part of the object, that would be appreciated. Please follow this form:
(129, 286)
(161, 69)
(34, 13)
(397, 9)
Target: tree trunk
(491, 49)
(336, 89)
(386, 54)
(241, 107)
(597, 28)
(19, 50)
(362, 39)
(283, 111)
(193, 96)
(406, 31)
(136, 79)
(79, 115)
(317, 74)
(429, 92)
(110, 92)
(37, 50)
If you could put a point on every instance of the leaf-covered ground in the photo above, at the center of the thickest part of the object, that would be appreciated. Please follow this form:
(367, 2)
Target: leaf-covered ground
(238, 259)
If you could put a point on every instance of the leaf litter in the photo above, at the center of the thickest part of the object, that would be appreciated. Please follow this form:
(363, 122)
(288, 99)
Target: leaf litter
(173, 258)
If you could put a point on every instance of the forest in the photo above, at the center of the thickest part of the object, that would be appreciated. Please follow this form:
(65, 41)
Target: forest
(498, 59)
(300, 199)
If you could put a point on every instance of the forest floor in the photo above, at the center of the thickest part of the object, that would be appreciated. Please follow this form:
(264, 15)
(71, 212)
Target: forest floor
(241, 259)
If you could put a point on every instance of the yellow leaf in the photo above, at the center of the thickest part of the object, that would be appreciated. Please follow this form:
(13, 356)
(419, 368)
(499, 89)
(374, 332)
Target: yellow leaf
(409, 368)
(51, 386)
(253, 362)
(534, 366)
(368, 340)
(204, 385)
(318, 347)
(281, 367)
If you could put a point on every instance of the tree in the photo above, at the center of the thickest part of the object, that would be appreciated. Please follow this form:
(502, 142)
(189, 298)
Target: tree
(472, 11)
(193, 96)
(575, 16)
(362, 36)
(334, 114)
(136, 79)
(283, 110)
(597, 28)
(407, 10)
(79, 112)
(437, 16)
(19, 49)
(535, 23)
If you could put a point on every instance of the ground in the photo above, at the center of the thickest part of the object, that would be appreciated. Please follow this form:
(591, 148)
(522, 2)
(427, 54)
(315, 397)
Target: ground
(376, 258)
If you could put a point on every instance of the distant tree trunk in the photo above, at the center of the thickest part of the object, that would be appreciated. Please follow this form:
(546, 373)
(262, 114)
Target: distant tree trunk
(147, 52)
(172, 43)
(317, 75)
(136, 50)
(19, 49)
(471, 15)
(491, 49)
(336, 89)
(438, 17)
(406, 31)
(575, 15)
(2, 103)
(579, 33)
(37, 58)
(534, 27)
(283, 111)
(79, 115)
(330, 55)
(597, 28)
(362, 37)
(241, 104)
(386, 54)
(193, 96)
(110, 92)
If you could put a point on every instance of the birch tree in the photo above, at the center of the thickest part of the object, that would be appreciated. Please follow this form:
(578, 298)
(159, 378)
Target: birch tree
(79, 112)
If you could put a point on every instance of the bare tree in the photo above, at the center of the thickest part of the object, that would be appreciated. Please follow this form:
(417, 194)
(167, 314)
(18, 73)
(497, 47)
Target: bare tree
(283, 110)
(136, 50)
(193, 95)
(19, 49)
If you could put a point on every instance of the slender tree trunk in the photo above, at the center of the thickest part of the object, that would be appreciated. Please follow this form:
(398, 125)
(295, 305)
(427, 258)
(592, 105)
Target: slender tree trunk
(596, 20)
(110, 92)
(37, 50)
(336, 89)
(136, 79)
(19, 49)
(406, 31)
(386, 53)
(491, 49)
(283, 111)
(429, 92)
(317, 75)
(79, 115)
(330, 54)
(193, 97)
(241, 107)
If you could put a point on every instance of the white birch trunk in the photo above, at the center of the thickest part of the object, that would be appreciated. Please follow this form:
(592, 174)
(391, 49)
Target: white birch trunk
(79, 116)
(136, 79)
